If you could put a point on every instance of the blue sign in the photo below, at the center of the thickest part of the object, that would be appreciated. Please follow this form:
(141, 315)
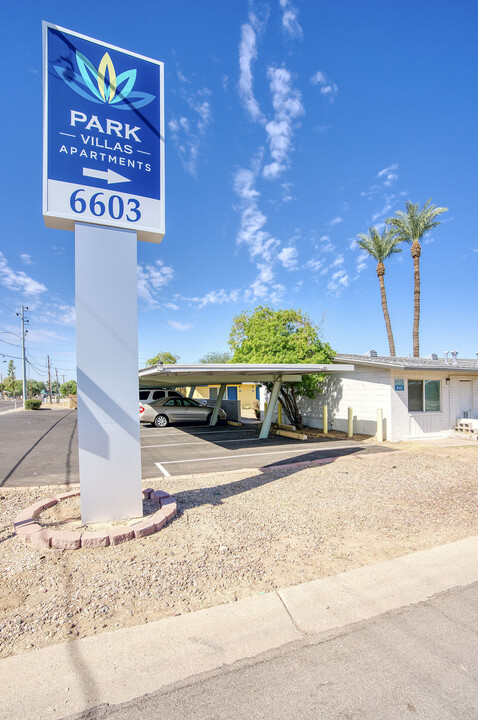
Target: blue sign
(399, 384)
(103, 135)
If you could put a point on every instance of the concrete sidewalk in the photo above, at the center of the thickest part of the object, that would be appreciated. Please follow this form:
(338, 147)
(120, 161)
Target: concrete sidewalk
(120, 666)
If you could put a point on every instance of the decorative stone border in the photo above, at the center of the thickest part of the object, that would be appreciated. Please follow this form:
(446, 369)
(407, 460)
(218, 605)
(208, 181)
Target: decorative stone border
(31, 532)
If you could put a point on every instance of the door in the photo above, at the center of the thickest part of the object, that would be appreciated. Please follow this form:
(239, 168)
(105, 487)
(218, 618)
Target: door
(464, 388)
(232, 393)
(194, 412)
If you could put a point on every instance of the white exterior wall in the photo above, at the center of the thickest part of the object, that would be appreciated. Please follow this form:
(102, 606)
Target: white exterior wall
(365, 389)
(418, 424)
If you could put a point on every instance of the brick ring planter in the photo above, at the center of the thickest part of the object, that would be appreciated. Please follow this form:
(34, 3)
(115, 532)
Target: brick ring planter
(33, 533)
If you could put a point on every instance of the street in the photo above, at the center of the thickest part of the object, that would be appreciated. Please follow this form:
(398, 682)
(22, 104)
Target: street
(420, 661)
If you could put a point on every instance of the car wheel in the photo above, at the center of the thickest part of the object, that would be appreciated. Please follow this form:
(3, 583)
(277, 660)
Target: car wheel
(208, 419)
(160, 421)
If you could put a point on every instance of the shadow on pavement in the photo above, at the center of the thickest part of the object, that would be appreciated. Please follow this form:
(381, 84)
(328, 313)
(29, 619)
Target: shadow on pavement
(35, 444)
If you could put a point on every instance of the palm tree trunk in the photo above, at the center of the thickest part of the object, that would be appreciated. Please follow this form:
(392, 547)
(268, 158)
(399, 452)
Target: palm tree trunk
(416, 252)
(388, 324)
(380, 274)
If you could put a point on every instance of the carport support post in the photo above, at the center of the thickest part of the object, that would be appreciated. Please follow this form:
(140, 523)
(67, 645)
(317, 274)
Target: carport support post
(107, 373)
(217, 406)
(266, 425)
(191, 391)
(379, 425)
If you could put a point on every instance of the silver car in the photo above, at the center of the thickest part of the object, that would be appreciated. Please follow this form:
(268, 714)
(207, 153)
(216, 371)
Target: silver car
(173, 410)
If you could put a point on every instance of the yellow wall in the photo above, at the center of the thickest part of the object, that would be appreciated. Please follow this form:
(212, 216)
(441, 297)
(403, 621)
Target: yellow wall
(245, 393)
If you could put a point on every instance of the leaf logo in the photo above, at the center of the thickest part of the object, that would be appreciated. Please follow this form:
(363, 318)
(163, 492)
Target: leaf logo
(103, 85)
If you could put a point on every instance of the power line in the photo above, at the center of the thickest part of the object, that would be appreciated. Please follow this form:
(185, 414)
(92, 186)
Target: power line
(14, 357)
(9, 343)
(7, 308)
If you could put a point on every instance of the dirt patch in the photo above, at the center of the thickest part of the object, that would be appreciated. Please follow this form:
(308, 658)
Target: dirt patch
(66, 515)
(317, 435)
(236, 535)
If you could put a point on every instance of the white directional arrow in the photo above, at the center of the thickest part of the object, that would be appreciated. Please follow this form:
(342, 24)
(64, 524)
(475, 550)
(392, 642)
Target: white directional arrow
(109, 175)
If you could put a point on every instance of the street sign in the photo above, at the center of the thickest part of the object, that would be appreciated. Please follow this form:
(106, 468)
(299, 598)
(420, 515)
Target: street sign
(103, 135)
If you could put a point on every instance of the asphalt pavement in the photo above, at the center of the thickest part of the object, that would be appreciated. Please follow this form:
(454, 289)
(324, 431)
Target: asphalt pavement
(420, 662)
(41, 448)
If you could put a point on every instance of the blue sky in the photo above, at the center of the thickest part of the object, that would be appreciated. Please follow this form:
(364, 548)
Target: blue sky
(291, 126)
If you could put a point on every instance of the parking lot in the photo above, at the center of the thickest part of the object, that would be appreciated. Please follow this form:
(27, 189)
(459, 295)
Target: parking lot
(41, 448)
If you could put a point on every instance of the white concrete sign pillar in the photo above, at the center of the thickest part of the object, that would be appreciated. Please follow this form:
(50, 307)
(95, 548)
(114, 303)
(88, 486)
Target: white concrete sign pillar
(107, 373)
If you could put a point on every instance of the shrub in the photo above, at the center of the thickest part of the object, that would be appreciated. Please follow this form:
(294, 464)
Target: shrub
(33, 404)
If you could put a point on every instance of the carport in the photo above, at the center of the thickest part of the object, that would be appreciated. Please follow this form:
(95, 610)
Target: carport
(234, 374)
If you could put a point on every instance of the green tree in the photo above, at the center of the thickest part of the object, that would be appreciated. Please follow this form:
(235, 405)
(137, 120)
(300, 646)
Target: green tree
(216, 357)
(281, 336)
(380, 247)
(35, 387)
(163, 357)
(68, 388)
(410, 227)
(9, 383)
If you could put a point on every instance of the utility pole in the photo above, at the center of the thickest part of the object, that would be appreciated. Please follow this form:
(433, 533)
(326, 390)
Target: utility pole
(57, 385)
(63, 379)
(24, 364)
(49, 377)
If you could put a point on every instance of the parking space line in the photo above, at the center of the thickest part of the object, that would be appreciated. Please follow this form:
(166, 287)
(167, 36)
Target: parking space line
(274, 452)
(163, 470)
(210, 432)
(199, 442)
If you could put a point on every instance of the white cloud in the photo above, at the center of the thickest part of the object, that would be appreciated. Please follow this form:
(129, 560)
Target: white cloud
(189, 133)
(390, 201)
(388, 174)
(251, 232)
(179, 325)
(26, 259)
(361, 261)
(290, 24)
(151, 278)
(428, 240)
(247, 56)
(288, 258)
(335, 221)
(328, 89)
(171, 306)
(18, 280)
(339, 260)
(287, 192)
(287, 104)
(58, 314)
(315, 264)
(338, 282)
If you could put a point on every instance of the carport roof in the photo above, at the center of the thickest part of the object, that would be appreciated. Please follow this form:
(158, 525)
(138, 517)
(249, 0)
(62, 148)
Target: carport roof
(230, 373)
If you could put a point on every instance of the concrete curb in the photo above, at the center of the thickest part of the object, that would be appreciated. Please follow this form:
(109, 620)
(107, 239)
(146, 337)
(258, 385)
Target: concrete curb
(119, 666)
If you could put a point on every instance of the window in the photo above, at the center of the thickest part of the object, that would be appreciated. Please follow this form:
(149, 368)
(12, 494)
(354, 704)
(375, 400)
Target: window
(159, 394)
(143, 394)
(423, 395)
(172, 393)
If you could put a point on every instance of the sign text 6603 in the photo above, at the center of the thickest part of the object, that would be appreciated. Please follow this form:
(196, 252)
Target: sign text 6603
(114, 207)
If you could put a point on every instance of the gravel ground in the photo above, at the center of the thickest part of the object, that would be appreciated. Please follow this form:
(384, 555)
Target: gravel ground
(236, 534)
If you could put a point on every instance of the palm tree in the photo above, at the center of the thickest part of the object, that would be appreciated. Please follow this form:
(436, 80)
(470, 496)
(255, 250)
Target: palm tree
(410, 226)
(381, 247)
